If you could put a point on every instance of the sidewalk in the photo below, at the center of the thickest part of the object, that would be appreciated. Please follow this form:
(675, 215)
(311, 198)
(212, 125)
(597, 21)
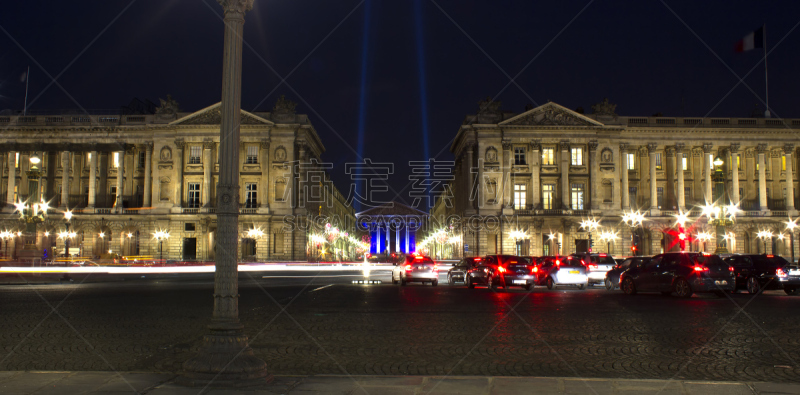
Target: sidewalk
(40, 383)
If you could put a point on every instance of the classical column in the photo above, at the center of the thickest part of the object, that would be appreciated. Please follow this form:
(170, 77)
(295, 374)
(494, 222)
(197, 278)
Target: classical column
(593, 181)
(670, 171)
(405, 227)
(707, 172)
(12, 177)
(536, 163)
(470, 179)
(179, 145)
(481, 182)
(762, 177)
(626, 195)
(787, 150)
(734, 149)
(681, 182)
(651, 150)
(265, 166)
(120, 185)
(207, 146)
(565, 156)
(225, 358)
(507, 163)
(64, 180)
(93, 179)
(148, 178)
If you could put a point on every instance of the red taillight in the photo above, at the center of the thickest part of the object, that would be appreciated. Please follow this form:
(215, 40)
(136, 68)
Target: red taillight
(700, 269)
(583, 263)
(770, 256)
(602, 255)
(435, 268)
(780, 272)
(730, 268)
(476, 259)
(706, 254)
(535, 269)
(501, 269)
(558, 262)
(408, 268)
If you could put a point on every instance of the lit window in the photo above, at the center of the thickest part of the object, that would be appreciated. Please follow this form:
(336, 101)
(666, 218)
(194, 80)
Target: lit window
(783, 162)
(142, 159)
(577, 196)
(519, 155)
(685, 162)
(251, 195)
(520, 196)
(548, 190)
(193, 195)
(738, 162)
(658, 161)
(660, 196)
(548, 156)
(631, 161)
(577, 157)
(16, 162)
(252, 154)
(710, 161)
(194, 154)
(116, 159)
(632, 194)
(88, 159)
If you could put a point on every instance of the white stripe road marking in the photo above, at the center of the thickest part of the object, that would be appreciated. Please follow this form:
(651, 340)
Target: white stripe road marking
(323, 287)
(340, 275)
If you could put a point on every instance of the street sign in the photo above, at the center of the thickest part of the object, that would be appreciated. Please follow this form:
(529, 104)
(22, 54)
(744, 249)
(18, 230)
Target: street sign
(466, 247)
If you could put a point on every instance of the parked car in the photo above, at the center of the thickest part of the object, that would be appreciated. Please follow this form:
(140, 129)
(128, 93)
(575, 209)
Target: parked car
(757, 273)
(415, 268)
(596, 266)
(791, 283)
(612, 276)
(510, 270)
(681, 273)
(561, 270)
(458, 273)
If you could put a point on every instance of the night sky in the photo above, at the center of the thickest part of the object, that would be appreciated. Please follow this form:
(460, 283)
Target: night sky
(405, 72)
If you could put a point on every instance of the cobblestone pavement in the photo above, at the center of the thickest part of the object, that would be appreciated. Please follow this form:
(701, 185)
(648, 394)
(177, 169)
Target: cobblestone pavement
(153, 325)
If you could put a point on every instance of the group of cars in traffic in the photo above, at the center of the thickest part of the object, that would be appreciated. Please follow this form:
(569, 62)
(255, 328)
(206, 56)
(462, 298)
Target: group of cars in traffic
(679, 273)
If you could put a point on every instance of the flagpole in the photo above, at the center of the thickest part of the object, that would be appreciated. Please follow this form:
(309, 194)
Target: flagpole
(27, 79)
(766, 73)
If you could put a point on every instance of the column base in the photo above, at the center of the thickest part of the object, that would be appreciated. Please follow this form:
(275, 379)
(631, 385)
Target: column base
(225, 360)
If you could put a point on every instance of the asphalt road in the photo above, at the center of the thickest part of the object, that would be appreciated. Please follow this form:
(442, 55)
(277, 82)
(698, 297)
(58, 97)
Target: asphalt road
(302, 324)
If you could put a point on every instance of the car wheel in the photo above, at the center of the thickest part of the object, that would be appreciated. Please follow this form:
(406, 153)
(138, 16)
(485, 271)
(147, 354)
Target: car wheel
(470, 283)
(790, 291)
(435, 282)
(683, 289)
(583, 286)
(609, 285)
(753, 286)
(550, 283)
(628, 287)
(393, 280)
(528, 286)
(402, 281)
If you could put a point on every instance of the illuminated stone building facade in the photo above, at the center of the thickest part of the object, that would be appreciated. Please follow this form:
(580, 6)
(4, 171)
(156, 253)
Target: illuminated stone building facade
(125, 177)
(526, 181)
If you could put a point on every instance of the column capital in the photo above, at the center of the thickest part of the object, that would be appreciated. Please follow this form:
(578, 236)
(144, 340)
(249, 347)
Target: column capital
(788, 148)
(670, 151)
(148, 145)
(506, 145)
(180, 143)
(623, 147)
(537, 224)
(761, 148)
(734, 148)
(593, 145)
(707, 147)
(564, 145)
(208, 144)
(236, 6)
(679, 147)
(536, 145)
(265, 143)
(651, 148)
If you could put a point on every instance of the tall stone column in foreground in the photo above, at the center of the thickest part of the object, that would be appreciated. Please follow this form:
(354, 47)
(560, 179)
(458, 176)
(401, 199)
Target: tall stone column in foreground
(225, 358)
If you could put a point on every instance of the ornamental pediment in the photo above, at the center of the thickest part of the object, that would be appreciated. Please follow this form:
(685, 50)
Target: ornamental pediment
(551, 114)
(213, 116)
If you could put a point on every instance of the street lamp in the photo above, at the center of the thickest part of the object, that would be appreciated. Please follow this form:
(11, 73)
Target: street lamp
(7, 236)
(608, 236)
(790, 225)
(680, 220)
(161, 235)
(590, 225)
(633, 219)
(34, 210)
(764, 235)
(720, 217)
(704, 237)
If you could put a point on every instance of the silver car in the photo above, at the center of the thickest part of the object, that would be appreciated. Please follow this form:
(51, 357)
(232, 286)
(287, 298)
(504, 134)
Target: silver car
(562, 270)
(415, 268)
(597, 265)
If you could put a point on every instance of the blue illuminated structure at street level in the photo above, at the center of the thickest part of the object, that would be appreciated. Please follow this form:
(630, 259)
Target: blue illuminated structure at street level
(392, 227)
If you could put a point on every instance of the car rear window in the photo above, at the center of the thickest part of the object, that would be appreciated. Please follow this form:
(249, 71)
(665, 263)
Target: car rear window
(571, 261)
(770, 261)
(605, 260)
(420, 259)
(709, 260)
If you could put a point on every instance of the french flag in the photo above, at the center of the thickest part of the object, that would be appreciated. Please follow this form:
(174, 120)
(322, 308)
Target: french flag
(751, 41)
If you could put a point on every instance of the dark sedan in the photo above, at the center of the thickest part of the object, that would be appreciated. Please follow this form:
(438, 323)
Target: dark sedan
(458, 273)
(612, 276)
(681, 273)
(757, 273)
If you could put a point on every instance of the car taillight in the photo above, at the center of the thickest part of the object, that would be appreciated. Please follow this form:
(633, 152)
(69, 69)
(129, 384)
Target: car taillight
(583, 263)
(501, 269)
(770, 256)
(730, 268)
(435, 268)
(558, 262)
(780, 272)
(593, 267)
(700, 269)
(408, 268)
(535, 270)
